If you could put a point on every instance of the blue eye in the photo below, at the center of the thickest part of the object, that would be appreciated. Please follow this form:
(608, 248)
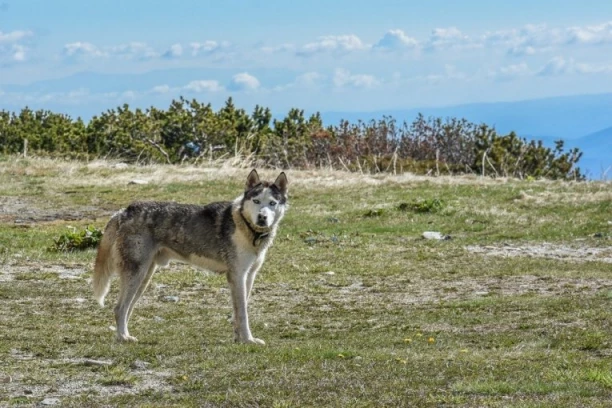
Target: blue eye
(256, 201)
(272, 203)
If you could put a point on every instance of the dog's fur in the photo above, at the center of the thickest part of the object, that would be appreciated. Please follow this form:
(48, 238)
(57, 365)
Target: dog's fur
(224, 237)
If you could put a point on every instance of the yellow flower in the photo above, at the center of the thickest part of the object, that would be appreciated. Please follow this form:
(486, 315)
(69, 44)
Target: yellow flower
(419, 334)
(431, 340)
(463, 350)
(341, 355)
(407, 340)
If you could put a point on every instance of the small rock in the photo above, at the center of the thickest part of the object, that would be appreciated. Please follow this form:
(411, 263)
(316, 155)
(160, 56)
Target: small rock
(435, 235)
(482, 293)
(158, 319)
(28, 392)
(330, 273)
(172, 299)
(120, 165)
(50, 401)
(138, 181)
(432, 235)
(6, 380)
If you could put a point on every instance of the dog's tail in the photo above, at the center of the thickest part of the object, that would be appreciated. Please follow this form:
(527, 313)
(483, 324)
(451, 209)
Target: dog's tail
(104, 266)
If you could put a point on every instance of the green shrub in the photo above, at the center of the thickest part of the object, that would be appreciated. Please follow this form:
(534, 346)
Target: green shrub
(77, 240)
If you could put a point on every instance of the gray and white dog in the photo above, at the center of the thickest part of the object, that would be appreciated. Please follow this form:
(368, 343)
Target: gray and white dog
(224, 237)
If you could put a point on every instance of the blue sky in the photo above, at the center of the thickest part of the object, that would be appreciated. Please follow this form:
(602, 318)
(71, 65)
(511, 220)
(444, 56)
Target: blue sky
(85, 57)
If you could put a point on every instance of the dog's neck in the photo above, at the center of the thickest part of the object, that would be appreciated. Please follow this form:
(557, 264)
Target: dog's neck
(257, 235)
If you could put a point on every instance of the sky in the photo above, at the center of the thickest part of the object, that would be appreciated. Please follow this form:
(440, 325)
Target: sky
(84, 57)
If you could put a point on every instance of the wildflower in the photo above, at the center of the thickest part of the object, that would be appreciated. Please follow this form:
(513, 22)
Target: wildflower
(431, 340)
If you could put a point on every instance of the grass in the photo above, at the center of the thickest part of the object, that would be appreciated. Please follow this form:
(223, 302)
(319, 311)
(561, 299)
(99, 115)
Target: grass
(356, 309)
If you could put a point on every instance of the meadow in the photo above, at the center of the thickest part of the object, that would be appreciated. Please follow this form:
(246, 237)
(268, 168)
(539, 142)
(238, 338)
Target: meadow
(356, 308)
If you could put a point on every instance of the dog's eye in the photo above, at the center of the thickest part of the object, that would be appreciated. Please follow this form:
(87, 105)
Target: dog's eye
(256, 201)
(272, 203)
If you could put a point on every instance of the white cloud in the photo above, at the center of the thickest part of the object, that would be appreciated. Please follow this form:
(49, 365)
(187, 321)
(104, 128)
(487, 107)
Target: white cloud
(558, 66)
(511, 72)
(596, 34)
(196, 86)
(396, 39)
(244, 82)
(206, 85)
(278, 48)
(532, 39)
(85, 49)
(137, 50)
(140, 50)
(308, 79)
(333, 43)
(14, 36)
(344, 78)
(161, 89)
(442, 38)
(175, 51)
(19, 53)
(561, 66)
(207, 47)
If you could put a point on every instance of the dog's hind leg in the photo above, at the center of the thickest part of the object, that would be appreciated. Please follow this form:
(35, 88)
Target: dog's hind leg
(142, 288)
(133, 284)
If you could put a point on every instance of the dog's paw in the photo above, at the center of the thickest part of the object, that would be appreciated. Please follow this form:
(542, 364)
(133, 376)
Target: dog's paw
(252, 340)
(126, 338)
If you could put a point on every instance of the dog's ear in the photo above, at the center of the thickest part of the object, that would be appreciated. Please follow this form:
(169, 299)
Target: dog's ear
(252, 179)
(281, 183)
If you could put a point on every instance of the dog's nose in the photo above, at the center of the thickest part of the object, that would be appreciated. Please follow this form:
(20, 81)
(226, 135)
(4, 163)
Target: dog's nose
(262, 219)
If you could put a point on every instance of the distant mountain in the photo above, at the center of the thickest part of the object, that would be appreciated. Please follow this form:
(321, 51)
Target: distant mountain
(566, 117)
(597, 157)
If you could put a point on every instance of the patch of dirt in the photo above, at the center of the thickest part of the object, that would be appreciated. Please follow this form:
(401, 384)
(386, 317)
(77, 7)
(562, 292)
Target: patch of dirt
(63, 271)
(24, 210)
(547, 250)
(86, 384)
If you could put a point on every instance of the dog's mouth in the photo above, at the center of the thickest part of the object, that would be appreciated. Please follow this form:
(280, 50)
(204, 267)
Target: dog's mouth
(262, 223)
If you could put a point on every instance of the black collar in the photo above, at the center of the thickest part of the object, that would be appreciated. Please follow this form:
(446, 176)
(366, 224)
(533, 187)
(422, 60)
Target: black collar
(256, 234)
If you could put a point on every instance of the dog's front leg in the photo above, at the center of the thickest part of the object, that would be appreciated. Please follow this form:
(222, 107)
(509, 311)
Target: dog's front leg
(237, 280)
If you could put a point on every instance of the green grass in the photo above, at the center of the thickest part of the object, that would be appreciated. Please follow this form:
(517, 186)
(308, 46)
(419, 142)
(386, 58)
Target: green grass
(356, 309)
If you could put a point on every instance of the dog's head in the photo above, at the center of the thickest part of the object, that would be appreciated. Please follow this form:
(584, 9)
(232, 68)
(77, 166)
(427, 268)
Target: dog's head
(264, 203)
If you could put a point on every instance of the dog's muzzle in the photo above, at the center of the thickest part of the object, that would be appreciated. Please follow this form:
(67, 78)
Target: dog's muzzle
(262, 220)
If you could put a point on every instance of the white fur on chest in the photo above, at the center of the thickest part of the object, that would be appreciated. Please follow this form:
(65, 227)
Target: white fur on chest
(246, 254)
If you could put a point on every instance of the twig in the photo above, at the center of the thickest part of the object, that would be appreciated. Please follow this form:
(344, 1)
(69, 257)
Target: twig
(161, 150)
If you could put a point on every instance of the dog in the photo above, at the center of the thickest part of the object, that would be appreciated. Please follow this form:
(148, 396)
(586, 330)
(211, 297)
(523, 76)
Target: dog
(228, 237)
